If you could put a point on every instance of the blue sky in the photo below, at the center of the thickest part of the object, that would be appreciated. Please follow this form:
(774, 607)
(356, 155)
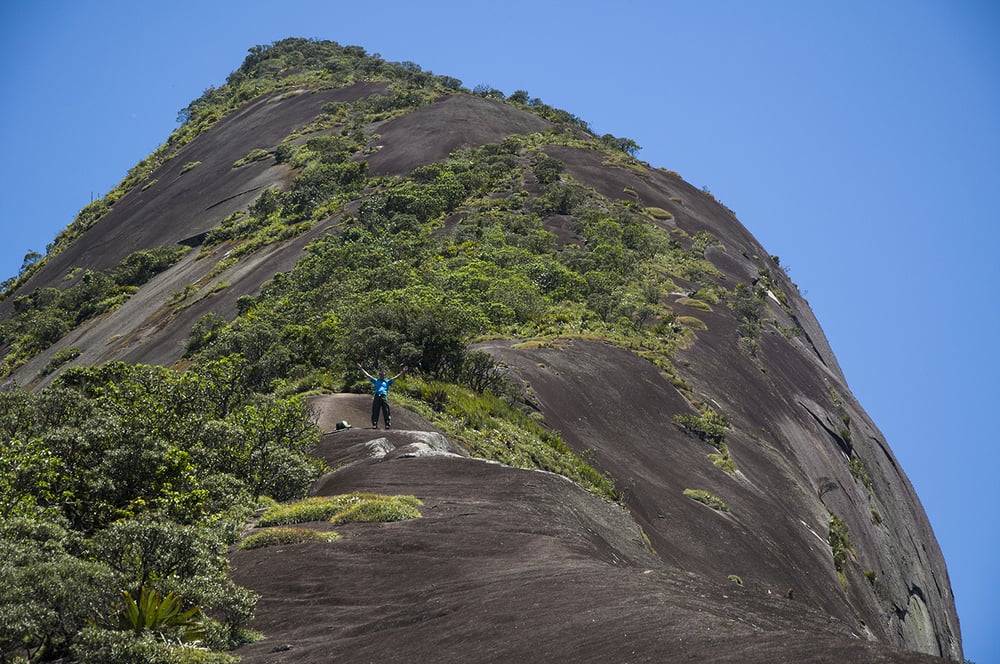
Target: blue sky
(859, 141)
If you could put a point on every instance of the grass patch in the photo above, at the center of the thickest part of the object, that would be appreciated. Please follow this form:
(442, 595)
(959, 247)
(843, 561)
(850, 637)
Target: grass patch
(285, 535)
(706, 498)
(328, 508)
(694, 304)
(383, 509)
(256, 154)
(659, 213)
(188, 166)
(692, 322)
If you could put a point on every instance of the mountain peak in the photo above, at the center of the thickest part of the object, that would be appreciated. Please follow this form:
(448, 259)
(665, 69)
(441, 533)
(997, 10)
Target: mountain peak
(709, 486)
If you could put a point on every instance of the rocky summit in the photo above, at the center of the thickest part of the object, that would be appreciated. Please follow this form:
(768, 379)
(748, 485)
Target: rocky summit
(621, 436)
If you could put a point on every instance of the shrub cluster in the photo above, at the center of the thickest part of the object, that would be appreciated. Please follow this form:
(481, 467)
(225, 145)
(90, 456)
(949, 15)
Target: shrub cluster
(43, 316)
(134, 478)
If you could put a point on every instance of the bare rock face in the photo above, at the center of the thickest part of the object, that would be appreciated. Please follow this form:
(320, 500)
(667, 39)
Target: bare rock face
(823, 553)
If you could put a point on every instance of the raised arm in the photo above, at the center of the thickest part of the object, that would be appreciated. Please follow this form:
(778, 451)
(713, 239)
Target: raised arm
(365, 372)
(405, 369)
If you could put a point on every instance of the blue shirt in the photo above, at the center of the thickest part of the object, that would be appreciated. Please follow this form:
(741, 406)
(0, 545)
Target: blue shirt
(381, 386)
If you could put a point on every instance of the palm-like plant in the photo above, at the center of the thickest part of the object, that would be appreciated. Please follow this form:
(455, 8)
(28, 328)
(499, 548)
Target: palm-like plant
(162, 614)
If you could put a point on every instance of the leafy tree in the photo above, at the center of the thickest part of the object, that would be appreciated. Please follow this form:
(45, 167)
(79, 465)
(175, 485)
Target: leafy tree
(30, 259)
(268, 438)
(626, 145)
(483, 373)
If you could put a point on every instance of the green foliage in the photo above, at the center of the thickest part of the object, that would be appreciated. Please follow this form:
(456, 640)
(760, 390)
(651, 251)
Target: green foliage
(482, 373)
(283, 535)
(845, 417)
(792, 332)
(320, 182)
(707, 498)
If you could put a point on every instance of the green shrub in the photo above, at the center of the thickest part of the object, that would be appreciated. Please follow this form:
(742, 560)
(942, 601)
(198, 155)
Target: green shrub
(748, 304)
(709, 426)
(47, 595)
(284, 535)
(840, 545)
(860, 472)
(60, 358)
(96, 645)
(188, 166)
(723, 460)
(707, 498)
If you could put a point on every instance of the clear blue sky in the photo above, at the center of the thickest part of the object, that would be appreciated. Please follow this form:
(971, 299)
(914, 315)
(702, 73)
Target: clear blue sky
(859, 141)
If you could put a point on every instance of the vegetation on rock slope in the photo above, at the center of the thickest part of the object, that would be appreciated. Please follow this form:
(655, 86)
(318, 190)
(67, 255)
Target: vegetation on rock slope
(137, 478)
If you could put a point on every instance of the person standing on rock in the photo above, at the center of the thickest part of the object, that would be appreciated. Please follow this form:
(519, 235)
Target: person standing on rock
(380, 403)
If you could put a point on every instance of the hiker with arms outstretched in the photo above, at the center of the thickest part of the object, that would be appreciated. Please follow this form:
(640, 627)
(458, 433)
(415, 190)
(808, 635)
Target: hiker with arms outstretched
(380, 403)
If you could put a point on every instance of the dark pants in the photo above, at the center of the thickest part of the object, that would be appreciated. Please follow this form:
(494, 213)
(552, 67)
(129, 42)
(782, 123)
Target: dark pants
(380, 404)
